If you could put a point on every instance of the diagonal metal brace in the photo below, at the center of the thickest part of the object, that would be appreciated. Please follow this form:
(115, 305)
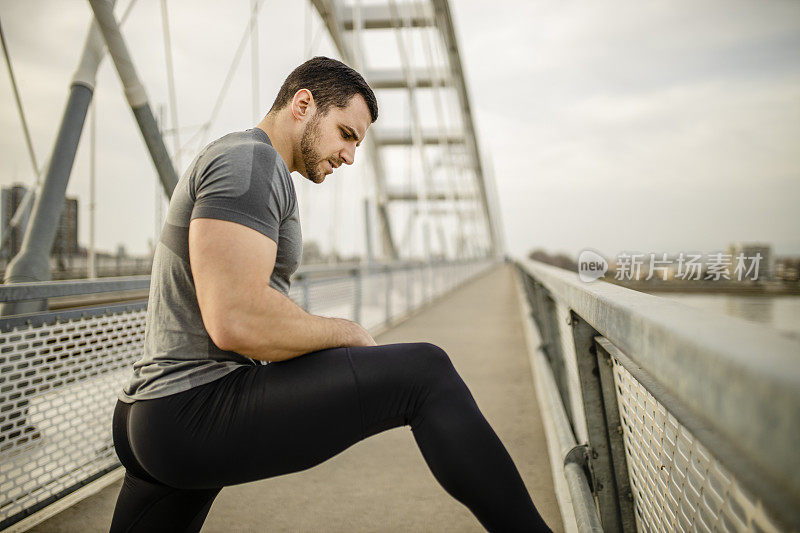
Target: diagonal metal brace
(135, 93)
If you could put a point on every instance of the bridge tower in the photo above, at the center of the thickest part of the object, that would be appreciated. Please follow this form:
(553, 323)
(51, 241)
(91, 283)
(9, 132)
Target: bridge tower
(452, 199)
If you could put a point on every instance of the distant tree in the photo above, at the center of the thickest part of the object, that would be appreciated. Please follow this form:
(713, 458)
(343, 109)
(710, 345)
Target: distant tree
(311, 253)
(559, 260)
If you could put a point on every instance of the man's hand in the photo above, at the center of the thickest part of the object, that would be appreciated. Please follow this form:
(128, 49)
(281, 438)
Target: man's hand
(357, 335)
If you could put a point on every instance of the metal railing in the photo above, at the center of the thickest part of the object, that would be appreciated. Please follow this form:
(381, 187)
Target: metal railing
(61, 371)
(680, 420)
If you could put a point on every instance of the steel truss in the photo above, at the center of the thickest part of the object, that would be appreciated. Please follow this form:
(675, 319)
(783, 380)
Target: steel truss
(463, 184)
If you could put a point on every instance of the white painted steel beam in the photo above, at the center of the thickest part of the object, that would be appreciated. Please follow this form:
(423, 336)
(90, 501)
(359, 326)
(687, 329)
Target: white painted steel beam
(394, 137)
(379, 16)
(396, 79)
(413, 196)
(346, 24)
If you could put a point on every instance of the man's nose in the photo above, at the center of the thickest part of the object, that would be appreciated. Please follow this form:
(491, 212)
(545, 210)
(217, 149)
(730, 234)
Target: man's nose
(348, 155)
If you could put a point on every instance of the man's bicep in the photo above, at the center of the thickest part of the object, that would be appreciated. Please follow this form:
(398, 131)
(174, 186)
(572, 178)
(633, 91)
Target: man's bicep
(230, 265)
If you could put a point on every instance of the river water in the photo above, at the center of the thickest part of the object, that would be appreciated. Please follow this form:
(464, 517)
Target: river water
(781, 313)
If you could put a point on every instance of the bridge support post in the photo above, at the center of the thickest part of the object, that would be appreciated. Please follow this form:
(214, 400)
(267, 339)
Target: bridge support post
(545, 316)
(387, 280)
(409, 288)
(615, 436)
(616, 513)
(358, 279)
(306, 294)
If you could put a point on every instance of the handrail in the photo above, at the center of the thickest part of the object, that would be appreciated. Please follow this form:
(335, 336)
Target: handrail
(16, 292)
(740, 379)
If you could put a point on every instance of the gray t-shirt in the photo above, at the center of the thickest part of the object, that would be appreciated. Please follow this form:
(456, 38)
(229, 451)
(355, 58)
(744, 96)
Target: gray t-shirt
(241, 178)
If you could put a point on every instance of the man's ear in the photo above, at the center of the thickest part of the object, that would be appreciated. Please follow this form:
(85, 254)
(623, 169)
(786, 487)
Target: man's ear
(302, 104)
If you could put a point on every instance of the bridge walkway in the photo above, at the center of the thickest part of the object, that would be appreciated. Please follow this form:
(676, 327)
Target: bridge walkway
(383, 483)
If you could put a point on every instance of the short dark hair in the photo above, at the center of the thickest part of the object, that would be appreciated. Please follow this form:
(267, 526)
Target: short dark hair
(331, 82)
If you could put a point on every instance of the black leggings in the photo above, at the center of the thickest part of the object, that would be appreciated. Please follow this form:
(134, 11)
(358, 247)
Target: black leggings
(266, 420)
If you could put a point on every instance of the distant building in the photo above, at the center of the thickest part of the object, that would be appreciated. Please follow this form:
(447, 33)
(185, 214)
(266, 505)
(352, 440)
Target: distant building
(750, 251)
(312, 253)
(787, 268)
(10, 199)
(65, 242)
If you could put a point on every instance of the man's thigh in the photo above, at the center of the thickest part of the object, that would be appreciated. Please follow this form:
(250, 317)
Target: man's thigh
(292, 415)
(258, 422)
(269, 420)
(149, 507)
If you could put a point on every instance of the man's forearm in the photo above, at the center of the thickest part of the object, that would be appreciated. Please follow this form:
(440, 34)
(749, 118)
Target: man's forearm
(271, 327)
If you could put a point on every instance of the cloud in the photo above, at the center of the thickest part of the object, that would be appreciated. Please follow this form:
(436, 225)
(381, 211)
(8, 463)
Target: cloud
(595, 110)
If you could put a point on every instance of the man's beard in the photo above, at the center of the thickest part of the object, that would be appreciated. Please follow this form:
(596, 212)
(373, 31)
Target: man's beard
(309, 153)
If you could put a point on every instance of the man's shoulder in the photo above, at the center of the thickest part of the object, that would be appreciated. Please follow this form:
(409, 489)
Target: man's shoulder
(237, 159)
(240, 144)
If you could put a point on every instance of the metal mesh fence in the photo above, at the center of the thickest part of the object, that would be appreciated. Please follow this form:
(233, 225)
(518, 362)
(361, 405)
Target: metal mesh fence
(333, 297)
(373, 299)
(677, 483)
(56, 383)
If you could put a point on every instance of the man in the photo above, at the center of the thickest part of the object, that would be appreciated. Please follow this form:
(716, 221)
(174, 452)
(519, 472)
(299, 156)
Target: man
(313, 134)
(200, 413)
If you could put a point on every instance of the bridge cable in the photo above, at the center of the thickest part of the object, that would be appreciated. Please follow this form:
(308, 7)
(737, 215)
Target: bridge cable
(445, 148)
(416, 130)
(23, 208)
(469, 203)
(18, 101)
(229, 77)
(254, 63)
(173, 101)
(471, 189)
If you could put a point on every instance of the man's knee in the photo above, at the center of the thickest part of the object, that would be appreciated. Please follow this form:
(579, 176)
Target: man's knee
(432, 360)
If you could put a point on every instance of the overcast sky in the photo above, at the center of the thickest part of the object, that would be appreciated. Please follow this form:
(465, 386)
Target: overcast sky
(649, 126)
